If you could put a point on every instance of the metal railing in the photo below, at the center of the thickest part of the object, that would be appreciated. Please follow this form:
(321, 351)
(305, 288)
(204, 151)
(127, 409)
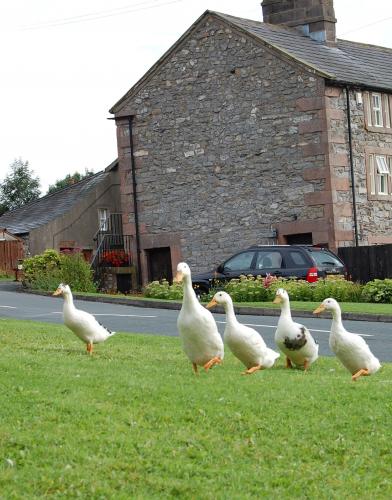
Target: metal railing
(113, 248)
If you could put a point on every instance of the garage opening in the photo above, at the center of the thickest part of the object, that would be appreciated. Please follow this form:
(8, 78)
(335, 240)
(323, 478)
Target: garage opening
(299, 239)
(159, 264)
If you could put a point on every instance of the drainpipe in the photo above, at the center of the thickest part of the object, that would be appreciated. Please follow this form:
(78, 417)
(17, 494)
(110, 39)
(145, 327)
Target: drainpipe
(135, 207)
(350, 147)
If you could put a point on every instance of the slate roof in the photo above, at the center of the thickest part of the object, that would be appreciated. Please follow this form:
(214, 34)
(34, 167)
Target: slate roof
(346, 63)
(349, 62)
(43, 210)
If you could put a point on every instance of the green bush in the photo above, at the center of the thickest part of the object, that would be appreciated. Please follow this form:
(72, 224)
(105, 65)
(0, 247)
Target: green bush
(163, 290)
(47, 270)
(247, 289)
(378, 291)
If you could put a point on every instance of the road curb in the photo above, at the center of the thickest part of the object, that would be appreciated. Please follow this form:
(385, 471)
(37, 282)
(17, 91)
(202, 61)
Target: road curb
(240, 310)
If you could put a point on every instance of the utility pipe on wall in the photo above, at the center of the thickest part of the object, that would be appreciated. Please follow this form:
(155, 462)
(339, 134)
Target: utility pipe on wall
(350, 146)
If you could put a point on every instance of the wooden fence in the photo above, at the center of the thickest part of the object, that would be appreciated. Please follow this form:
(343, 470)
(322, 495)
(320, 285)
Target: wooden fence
(10, 252)
(368, 262)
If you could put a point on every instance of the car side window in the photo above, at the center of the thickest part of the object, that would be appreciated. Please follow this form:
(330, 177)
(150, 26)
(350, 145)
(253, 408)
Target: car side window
(323, 258)
(269, 260)
(239, 262)
(297, 258)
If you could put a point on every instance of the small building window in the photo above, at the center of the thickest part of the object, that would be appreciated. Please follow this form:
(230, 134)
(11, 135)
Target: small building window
(382, 175)
(377, 107)
(103, 219)
(376, 110)
(379, 176)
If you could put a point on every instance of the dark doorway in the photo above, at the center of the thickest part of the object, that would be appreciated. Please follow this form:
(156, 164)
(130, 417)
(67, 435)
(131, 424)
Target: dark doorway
(124, 283)
(299, 239)
(159, 264)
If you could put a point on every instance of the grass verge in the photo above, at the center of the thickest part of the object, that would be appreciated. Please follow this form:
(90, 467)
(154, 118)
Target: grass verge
(133, 421)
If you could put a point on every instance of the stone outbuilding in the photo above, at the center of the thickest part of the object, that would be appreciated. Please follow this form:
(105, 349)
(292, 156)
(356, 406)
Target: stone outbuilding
(249, 132)
(70, 218)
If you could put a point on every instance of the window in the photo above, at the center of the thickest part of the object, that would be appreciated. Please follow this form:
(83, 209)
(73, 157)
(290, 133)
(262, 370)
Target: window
(103, 219)
(382, 174)
(379, 175)
(377, 108)
(298, 259)
(240, 262)
(269, 260)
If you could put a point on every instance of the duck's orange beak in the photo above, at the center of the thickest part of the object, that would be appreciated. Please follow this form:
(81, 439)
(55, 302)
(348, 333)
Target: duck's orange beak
(211, 304)
(277, 300)
(58, 292)
(179, 277)
(320, 309)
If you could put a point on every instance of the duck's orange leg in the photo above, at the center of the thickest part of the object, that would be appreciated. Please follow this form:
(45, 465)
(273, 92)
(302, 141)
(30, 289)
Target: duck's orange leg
(288, 363)
(90, 348)
(216, 360)
(253, 369)
(359, 373)
(306, 364)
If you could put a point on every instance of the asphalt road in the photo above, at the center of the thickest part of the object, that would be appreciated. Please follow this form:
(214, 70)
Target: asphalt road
(155, 321)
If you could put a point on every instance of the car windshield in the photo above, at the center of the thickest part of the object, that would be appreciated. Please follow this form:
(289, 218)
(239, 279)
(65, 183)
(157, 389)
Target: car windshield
(323, 258)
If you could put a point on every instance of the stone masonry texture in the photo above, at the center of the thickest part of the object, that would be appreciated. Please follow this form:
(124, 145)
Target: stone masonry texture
(223, 137)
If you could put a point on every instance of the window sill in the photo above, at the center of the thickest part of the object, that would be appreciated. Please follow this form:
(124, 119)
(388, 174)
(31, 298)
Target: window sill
(381, 130)
(379, 197)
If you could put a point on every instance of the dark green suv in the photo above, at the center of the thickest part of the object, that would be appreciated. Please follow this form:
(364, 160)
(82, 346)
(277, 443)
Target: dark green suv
(288, 261)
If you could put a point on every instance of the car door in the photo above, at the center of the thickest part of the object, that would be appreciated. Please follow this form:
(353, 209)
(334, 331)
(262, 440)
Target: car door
(242, 263)
(269, 261)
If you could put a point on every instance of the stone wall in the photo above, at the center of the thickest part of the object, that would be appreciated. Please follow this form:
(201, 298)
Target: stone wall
(223, 132)
(373, 216)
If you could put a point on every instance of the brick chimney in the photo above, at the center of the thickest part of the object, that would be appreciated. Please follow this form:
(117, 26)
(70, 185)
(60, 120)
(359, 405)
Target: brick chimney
(314, 18)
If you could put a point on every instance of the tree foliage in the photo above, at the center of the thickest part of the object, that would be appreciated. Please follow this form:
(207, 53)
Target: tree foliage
(19, 187)
(69, 180)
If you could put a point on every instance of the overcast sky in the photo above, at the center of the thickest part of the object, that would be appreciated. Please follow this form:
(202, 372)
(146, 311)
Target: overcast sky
(65, 63)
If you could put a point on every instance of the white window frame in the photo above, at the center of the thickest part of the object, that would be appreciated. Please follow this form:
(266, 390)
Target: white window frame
(103, 218)
(382, 175)
(387, 111)
(377, 117)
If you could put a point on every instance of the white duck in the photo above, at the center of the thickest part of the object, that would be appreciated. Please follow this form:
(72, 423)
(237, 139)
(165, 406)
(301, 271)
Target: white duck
(82, 323)
(244, 342)
(351, 349)
(293, 339)
(201, 340)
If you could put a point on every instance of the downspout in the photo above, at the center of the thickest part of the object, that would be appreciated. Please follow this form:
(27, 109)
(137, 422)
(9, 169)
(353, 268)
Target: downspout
(135, 207)
(350, 147)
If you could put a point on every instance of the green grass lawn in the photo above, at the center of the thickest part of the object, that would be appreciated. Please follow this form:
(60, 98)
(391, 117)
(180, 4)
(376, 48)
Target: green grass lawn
(132, 421)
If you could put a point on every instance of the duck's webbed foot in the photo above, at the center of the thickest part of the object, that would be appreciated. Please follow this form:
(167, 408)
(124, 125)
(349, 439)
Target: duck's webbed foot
(251, 370)
(216, 360)
(360, 373)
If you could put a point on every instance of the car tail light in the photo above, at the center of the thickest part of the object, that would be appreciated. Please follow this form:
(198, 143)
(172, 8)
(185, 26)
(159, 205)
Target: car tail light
(312, 275)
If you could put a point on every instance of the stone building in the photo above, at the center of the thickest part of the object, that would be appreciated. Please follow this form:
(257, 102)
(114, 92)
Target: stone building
(251, 132)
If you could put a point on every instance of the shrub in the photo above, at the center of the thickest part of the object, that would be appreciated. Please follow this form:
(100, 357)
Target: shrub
(77, 273)
(378, 291)
(338, 288)
(163, 290)
(47, 270)
(247, 289)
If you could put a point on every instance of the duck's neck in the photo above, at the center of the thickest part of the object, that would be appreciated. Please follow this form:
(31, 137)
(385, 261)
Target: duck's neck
(337, 321)
(189, 293)
(285, 309)
(230, 314)
(68, 302)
